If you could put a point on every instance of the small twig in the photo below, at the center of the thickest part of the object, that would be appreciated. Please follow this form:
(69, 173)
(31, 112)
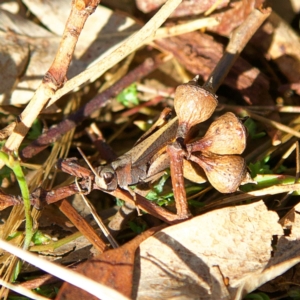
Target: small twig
(239, 39)
(166, 32)
(13, 163)
(275, 124)
(176, 158)
(283, 201)
(212, 8)
(129, 45)
(281, 109)
(284, 157)
(138, 108)
(56, 75)
(272, 190)
(82, 225)
(39, 281)
(147, 206)
(9, 200)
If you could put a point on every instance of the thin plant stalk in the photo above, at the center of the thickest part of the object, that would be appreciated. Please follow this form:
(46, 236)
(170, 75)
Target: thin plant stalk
(14, 164)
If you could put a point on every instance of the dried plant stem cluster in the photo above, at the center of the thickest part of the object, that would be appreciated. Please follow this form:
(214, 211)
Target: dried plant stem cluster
(217, 153)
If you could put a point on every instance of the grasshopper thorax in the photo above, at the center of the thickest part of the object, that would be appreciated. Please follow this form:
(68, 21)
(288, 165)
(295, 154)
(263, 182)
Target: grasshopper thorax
(106, 178)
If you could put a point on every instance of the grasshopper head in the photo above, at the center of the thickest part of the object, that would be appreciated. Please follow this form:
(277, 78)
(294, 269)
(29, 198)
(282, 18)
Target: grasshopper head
(107, 178)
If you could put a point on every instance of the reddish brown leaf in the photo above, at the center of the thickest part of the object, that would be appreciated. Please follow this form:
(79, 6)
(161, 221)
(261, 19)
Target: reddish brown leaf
(113, 268)
(186, 8)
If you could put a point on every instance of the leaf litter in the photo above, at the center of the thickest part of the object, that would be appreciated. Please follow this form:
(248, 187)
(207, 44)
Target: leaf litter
(225, 252)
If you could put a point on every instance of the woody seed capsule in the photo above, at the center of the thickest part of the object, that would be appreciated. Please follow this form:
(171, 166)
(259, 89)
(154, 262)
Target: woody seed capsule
(193, 104)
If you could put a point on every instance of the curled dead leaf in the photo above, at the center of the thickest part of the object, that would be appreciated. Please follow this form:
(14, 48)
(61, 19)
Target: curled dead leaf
(224, 172)
(226, 135)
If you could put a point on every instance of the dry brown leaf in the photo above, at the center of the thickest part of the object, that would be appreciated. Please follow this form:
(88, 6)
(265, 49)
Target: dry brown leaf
(15, 23)
(53, 14)
(287, 250)
(234, 15)
(194, 7)
(280, 43)
(208, 257)
(113, 268)
(94, 43)
(291, 221)
(14, 56)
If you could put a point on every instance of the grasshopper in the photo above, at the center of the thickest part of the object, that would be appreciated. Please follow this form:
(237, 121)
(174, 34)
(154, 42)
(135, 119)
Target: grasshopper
(131, 168)
(170, 145)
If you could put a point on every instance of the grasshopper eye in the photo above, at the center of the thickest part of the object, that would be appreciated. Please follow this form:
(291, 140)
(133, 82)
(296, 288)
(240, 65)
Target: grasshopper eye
(106, 179)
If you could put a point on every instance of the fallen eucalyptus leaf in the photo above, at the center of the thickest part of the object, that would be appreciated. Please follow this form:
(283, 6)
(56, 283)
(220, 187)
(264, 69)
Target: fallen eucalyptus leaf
(223, 254)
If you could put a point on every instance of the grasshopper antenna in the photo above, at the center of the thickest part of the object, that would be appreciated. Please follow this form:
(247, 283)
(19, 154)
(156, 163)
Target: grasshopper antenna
(87, 161)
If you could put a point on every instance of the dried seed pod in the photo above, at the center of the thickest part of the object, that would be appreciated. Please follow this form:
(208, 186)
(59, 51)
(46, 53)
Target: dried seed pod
(193, 104)
(224, 172)
(193, 172)
(226, 135)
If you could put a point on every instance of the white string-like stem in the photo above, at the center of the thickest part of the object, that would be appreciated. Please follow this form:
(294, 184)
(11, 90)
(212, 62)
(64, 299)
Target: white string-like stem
(87, 161)
(97, 218)
(97, 289)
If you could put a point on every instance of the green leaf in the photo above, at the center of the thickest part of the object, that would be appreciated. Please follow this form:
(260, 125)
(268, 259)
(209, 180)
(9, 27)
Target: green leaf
(193, 189)
(195, 203)
(119, 202)
(252, 129)
(152, 196)
(160, 185)
(128, 97)
(12, 161)
(257, 296)
(137, 228)
(39, 238)
(294, 293)
(260, 167)
(35, 130)
(48, 291)
(156, 193)
(14, 235)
